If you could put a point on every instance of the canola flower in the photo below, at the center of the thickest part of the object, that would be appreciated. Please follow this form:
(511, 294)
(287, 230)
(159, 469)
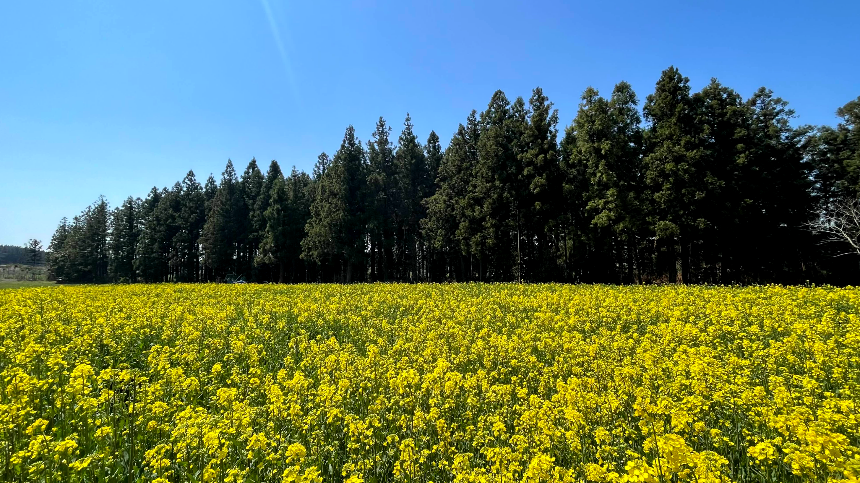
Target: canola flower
(429, 383)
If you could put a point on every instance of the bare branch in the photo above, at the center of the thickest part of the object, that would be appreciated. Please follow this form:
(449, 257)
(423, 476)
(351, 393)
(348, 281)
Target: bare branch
(840, 224)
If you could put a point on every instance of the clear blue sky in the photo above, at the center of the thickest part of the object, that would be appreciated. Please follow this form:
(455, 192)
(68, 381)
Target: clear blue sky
(114, 97)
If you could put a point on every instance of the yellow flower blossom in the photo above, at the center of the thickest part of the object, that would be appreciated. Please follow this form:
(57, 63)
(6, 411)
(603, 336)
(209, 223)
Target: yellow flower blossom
(457, 382)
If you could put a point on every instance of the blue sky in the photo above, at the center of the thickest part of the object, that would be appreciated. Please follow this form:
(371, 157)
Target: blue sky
(114, 97)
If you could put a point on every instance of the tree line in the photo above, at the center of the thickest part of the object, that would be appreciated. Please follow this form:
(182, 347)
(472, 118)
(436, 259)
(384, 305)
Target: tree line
(704, 187)
(31, 254)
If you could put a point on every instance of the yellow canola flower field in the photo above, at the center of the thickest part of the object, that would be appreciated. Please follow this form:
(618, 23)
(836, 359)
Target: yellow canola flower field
(429, 383)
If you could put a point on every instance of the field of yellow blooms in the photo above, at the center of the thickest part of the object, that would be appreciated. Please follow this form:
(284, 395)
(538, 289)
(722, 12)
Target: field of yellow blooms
(429, 383)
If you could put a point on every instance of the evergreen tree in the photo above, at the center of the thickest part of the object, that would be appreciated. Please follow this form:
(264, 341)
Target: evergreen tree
(262, 204)
(435, 258)
(124, 240)
(34, 251)
(433, 152)
(79, 250)
(190, 221)
(298, 192)
(541, 178)
(723, 121)
(265, 269)
(157, 256)
(517, 189)
(835, 158)
(147, 262)
(603, 153)
(58, 262)
(337, 228)
(494, 188)
(220, 236)
(384, 202)
(413, 182)
(670, 172)
(780, 189)
(96, 229)
(249, 228)
(572, 223)
(316, 244)
(451, 211)
(274, 246)
(75, 251)
(210, 189)
(626, 150)
(597, 194)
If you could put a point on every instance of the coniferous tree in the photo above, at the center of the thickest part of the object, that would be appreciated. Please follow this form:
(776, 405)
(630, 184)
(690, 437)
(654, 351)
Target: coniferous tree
(603, 152)
(451, 220)
(383, 203)
(264, 268)
(316, 245)
(541, 174)
(71, 258)
(413, 180)
(158, 252)
(336, 230)
(298, 191)
(849, 131)
(262, 204)
(670, 173)
(494, 188)
(249, 229)
(210, 189)
(780, 188)
(350, 172)
(626, 147)
(167, 212)
(34, 251)
(79, 250)
(834, 160)
(58, 262)
(723, 123)
(96, 230)
(220, 236)
(596, 193)
(148, 263)
(572, 222)
(835, 157)
(124, 240)
(190, 218)
(433, 152)
(274, 245)
(435, 263)
(518, 190)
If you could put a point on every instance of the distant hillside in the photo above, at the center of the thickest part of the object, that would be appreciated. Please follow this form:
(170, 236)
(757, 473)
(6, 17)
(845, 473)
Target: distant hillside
(11, 254)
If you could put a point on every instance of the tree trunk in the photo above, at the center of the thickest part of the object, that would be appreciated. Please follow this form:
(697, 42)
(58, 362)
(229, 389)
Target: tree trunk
(373, 260)
(519, 255)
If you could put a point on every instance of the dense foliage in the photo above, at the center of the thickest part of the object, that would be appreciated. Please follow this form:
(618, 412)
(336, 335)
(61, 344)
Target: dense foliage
(15, 255)
(431, 382)
(704, 187)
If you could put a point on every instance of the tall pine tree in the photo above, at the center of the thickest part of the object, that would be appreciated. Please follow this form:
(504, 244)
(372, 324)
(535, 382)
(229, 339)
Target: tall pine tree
(124, 237)
(413, 181)
(220, 237)
(670, 173)
(336, 230)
